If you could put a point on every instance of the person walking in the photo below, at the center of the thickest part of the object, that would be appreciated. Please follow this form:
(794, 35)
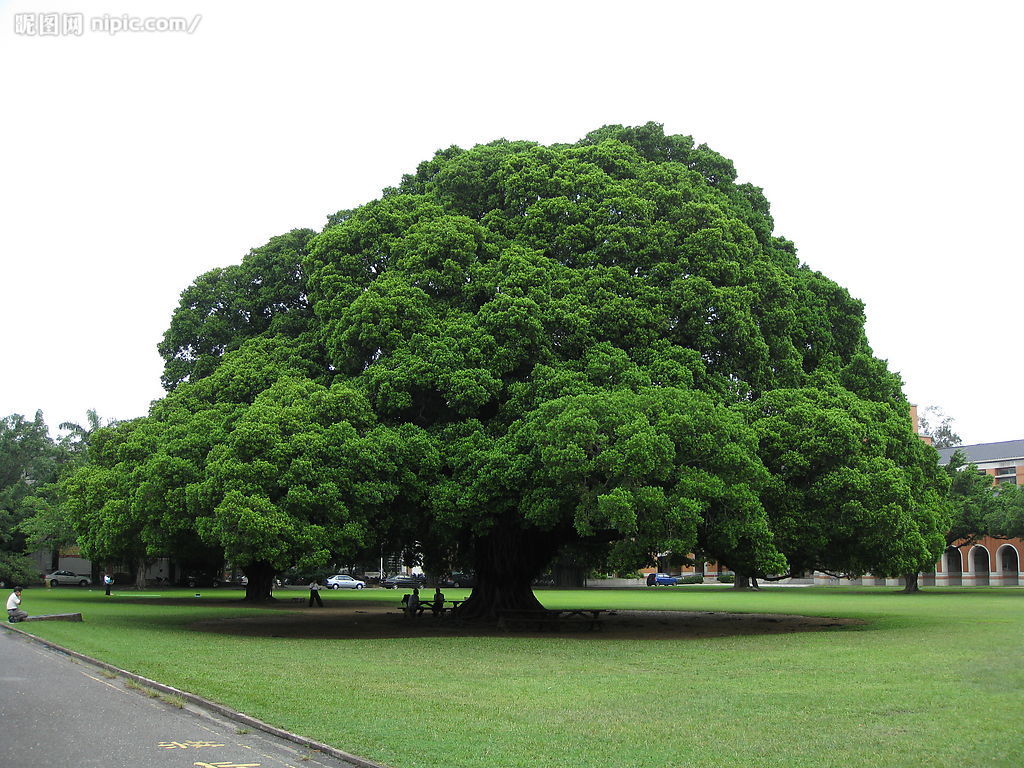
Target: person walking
(314, 593)
(14, 612)
(107, 581)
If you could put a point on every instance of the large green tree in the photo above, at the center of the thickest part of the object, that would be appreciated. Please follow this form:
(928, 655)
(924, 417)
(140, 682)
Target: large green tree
(852, 489)
(521, 349)
(30, 461)
(50, 523)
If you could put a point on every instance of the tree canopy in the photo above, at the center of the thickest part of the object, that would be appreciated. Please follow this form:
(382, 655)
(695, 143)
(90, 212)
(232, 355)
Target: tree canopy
(980, 506)
(521, 348)
(32, 513)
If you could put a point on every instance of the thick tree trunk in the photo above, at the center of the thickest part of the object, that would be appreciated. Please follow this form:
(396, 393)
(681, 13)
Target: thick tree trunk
(910, 583)
(744, 581)
(140, 575)
(507, 561)
(261, 582)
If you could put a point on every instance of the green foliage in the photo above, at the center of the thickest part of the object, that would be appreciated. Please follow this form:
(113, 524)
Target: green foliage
(1006, 519)
(852, 489)
(30, 462)
(519, 350)
(224, 307)
(979, 506)
(972, 500)
(17, 569)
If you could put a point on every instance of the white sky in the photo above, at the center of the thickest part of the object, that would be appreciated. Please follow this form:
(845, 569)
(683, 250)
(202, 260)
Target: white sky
(887, 136)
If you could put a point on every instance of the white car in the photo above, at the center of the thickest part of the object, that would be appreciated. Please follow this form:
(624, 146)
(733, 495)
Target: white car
(66, 577)
(344, 581)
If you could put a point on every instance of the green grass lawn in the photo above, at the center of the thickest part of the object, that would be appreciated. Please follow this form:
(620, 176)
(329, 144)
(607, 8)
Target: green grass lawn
(934, 679)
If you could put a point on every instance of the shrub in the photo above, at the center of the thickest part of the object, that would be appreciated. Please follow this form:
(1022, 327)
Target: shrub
(17, 569)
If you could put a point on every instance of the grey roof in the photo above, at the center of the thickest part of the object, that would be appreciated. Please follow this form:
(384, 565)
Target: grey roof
(1009, 449)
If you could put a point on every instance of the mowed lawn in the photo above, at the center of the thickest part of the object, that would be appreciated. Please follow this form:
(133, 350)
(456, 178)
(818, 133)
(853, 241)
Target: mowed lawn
(935, 679)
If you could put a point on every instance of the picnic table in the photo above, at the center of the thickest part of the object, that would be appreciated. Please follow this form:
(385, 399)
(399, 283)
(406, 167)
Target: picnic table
(553, 619)
(428, 605)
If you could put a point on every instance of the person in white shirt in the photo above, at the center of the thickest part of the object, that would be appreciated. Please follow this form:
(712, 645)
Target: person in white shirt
(14, 612)
(314, 594)
(412, 605)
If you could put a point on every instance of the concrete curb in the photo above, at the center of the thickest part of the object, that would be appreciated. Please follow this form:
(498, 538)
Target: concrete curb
(199, 701)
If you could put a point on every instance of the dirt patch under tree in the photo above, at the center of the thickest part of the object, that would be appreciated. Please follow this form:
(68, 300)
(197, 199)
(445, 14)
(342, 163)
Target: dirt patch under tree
(362, 620)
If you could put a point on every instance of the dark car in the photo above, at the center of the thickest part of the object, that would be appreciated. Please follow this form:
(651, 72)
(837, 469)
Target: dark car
(203, 580)
(459, 579)
(402, 580)
(664, 580)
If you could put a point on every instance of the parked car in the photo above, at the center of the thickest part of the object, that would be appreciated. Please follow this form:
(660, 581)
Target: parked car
(664, 580)
(458, 579)
(344, 581)
(67, 577)
(203, 580)
(402, 580)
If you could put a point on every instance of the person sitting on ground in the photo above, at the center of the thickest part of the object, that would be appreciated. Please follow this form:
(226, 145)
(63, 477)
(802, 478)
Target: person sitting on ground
(14, 612)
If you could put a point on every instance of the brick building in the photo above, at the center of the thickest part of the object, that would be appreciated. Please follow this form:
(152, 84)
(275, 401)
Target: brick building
(988, 562)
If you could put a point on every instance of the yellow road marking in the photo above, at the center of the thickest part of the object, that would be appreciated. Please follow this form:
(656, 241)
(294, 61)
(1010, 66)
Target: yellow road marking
(107, 683)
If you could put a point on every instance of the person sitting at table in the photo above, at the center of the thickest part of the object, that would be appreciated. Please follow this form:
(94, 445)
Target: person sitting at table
(412, 603)
(437, 605)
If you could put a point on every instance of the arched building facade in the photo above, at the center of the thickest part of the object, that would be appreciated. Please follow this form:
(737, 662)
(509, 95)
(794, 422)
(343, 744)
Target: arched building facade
(987, 562)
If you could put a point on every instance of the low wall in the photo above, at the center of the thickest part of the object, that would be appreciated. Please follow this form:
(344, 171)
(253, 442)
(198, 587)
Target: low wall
(613, 583)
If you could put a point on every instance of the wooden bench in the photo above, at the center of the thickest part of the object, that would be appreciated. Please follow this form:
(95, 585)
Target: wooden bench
(428, 608)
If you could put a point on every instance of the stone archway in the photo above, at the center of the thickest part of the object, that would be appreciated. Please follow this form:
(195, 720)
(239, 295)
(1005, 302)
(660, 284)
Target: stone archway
(978, 563)
(953, 567)
(1008, 565)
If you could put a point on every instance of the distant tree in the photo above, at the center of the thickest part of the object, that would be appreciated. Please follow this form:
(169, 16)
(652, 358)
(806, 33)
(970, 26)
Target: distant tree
(100, 493)
(972, 500)
(933, 423)
(980, 506)
(48, 523)
(1006, 520)
(77, 437)
(30, 462)
(852, 490)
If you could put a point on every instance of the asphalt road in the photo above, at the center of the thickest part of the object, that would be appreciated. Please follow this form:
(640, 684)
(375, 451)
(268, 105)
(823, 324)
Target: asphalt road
(59, 712)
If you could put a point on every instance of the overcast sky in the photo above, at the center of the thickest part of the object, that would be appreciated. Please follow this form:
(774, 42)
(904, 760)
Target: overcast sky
(887, 137)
